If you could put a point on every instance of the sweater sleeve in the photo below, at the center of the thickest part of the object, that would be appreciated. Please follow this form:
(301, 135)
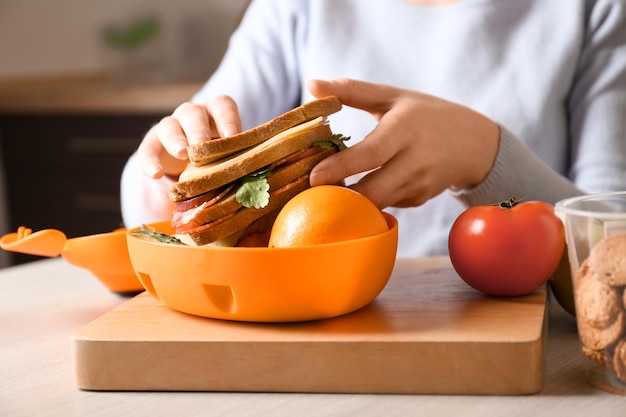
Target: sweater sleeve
(517, 172)
(596, 126)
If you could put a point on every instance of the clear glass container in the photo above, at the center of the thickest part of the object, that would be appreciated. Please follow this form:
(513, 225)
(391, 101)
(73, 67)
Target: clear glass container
(595, 229)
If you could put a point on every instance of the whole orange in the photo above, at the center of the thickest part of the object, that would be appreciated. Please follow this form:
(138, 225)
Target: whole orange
(326, 214)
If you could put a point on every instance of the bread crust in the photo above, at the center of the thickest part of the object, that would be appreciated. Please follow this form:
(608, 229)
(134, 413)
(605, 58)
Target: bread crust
(215, 149)
(198, 180)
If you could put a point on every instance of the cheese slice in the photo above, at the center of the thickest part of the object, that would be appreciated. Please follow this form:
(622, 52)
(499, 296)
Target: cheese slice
(194, 171)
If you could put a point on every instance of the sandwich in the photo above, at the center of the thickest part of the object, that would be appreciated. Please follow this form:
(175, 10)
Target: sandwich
(234, 187)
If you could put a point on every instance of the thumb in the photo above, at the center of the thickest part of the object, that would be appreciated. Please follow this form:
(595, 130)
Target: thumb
(373, 98)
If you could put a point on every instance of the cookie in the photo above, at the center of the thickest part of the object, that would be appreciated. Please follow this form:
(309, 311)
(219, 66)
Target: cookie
(619, 360)
(601, 338)
(598, 303)
(599, 357)
(599, 312)
(608, 259)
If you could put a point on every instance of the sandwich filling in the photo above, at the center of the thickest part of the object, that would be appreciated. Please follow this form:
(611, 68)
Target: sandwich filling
(194, 212)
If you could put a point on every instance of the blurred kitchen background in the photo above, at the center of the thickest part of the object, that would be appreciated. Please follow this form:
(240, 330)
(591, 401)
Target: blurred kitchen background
(80, 83)
(45, 38)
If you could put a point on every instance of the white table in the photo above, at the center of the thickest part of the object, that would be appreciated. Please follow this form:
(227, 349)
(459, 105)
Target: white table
(43, 303)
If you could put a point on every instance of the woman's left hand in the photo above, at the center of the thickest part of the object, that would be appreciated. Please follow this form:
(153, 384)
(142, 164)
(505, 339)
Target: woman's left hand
(421, 146)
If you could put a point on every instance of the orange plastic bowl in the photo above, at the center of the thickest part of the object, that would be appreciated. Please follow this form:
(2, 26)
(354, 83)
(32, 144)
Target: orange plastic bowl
(266, 284)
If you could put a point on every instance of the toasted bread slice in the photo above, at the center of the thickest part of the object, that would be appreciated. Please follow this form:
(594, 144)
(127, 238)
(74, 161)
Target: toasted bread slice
(215, 149)
(234, 222)
(229, 204)
(197, 180)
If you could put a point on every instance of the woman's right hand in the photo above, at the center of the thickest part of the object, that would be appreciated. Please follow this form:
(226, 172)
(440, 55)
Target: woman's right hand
(163, 151)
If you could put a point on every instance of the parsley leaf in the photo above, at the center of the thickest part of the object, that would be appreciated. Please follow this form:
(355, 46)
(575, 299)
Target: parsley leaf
(254, 190)
(335, 140)
(161, 237)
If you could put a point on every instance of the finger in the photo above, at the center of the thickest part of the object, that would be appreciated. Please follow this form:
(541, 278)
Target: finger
(371, 153)
(194, 122)
(156, 161)
(225, 114)
(384, 190)
(393, 185)
(148, 155)
(376, 99)
(354, 160)
(169, 134)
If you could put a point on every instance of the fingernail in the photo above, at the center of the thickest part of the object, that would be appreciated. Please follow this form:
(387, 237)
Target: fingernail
(318, 81)
(318, 177)
(230, 131)
(180, 151)
(196, 137)
(153, 171)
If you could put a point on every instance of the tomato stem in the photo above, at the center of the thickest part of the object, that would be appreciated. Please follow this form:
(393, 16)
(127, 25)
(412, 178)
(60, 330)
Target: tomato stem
(510, 203)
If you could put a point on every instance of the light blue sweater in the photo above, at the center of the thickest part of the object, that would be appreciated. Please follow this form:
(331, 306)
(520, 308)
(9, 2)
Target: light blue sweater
(552, 73)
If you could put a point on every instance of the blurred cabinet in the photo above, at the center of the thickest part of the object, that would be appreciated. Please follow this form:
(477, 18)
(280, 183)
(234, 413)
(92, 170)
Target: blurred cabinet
(64, 143)
(63, 171)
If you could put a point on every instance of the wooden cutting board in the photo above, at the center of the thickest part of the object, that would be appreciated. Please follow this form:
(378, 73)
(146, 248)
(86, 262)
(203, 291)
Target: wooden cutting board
(426, 333)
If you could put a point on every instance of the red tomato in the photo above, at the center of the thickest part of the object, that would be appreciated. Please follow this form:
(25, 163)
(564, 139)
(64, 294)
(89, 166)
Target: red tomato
(508, 249)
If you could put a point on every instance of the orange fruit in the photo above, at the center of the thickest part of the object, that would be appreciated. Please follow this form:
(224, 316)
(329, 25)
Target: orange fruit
(326, 214)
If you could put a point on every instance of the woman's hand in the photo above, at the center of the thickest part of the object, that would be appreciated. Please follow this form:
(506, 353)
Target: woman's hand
(163, 150)
(421, 146)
